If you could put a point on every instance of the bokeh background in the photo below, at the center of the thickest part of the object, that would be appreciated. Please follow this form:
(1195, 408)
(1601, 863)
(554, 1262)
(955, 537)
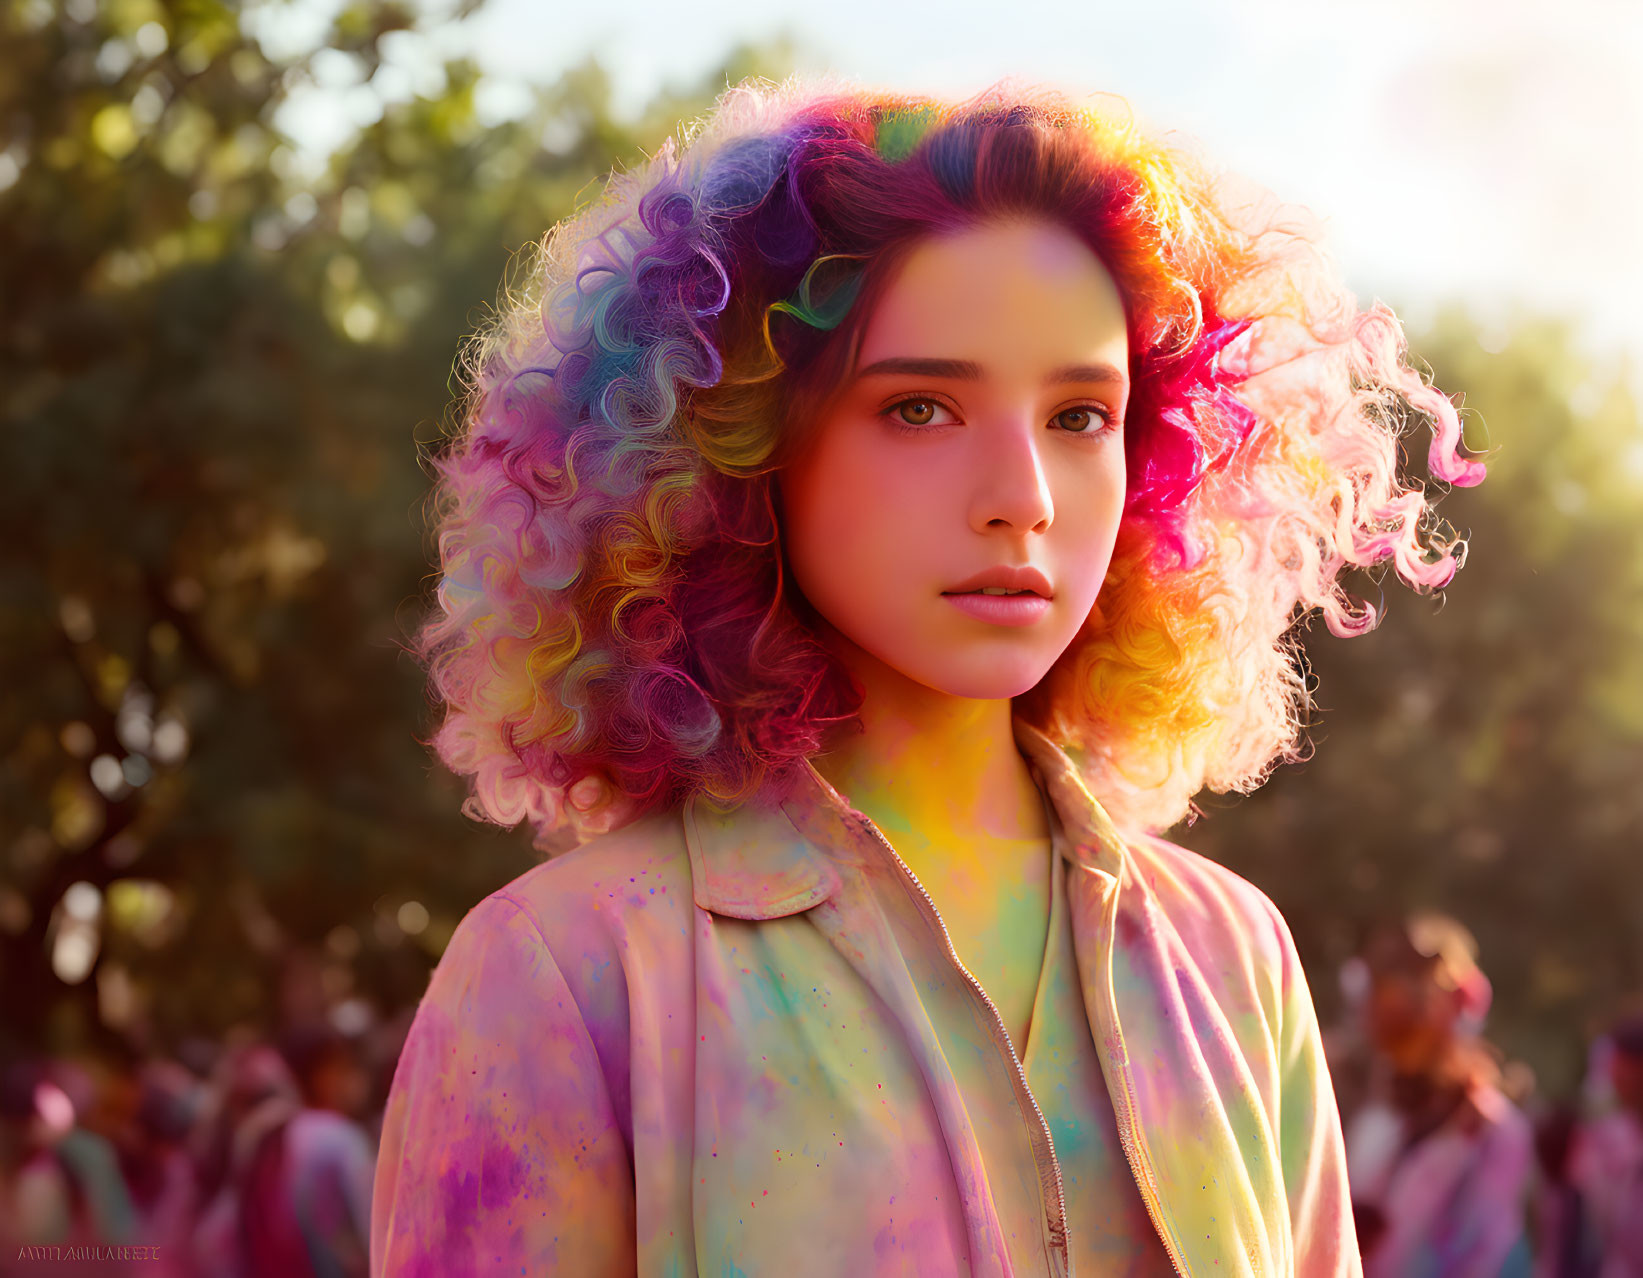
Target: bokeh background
(240, 246)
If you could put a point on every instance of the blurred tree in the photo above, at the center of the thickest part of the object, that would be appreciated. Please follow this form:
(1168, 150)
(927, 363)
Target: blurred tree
(1485, 756)
(214, 357)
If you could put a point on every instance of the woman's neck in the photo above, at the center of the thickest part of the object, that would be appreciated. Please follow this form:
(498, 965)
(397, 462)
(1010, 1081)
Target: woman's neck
(932, 768)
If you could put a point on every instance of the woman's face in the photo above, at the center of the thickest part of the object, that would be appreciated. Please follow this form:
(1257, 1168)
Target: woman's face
(1410, 1016)
(982, 431)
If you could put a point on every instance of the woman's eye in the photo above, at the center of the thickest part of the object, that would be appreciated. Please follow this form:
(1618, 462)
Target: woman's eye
(1081, 421)
(915, 412)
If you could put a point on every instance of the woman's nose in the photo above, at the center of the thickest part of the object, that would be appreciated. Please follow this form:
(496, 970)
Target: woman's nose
(1009, 481)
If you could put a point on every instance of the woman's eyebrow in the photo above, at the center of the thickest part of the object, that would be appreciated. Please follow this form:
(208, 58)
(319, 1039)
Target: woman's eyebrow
(967, 370)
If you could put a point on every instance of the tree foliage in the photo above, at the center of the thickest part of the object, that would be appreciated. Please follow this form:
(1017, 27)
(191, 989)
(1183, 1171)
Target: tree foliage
(216, 370)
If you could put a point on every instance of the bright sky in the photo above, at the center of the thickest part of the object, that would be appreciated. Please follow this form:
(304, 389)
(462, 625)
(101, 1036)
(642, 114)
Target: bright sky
(1490, 150)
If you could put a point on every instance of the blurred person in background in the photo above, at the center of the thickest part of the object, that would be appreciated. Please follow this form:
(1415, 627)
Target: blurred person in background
(328, 1068)
(1565, 1245)
(34, 1191)
(60, 1183)
(165, 1182)
(104, 1080)
(1606, 1162)
(332, 1159)
(249, 1229)
(295, 1198)
(1439, 1160)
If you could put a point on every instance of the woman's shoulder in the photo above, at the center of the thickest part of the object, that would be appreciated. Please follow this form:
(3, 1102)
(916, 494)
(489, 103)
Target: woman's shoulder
(574, 911)
(1229, 926)
(608, 883)
(1188, 882)
(559, 938)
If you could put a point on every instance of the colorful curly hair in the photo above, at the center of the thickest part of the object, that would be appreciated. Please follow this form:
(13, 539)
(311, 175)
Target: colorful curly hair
(614, 601)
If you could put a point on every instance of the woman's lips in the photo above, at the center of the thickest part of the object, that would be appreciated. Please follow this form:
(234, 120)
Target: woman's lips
(1001, 610)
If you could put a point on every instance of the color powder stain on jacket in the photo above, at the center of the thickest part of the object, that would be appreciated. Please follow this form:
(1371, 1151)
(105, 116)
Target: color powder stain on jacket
(759, 1054)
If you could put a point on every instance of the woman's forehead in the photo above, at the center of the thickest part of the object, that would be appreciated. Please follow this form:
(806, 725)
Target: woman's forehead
(999, 296)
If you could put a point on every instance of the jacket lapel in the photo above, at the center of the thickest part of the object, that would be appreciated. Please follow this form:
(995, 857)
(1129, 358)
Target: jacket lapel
(751, 863)
(1189, 1114)
(856, 927)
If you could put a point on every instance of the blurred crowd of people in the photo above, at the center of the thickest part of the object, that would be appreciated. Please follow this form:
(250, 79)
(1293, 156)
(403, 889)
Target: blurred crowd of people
(1457, 1169)
(247, 1159)
(253, 1159)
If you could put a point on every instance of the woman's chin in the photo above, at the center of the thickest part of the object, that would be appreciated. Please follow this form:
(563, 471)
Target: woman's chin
(985, 680)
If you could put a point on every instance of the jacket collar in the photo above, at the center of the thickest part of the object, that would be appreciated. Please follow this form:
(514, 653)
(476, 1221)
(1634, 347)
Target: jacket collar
(762, 862)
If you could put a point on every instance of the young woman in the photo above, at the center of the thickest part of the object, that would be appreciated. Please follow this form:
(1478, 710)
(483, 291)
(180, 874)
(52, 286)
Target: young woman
(882, 516)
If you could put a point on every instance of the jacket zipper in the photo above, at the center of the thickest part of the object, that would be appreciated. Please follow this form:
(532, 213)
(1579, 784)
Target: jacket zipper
(1129, 1136)
(1058, 1227)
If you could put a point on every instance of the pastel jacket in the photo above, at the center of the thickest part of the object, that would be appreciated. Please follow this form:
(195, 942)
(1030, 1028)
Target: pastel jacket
(693, 1046)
